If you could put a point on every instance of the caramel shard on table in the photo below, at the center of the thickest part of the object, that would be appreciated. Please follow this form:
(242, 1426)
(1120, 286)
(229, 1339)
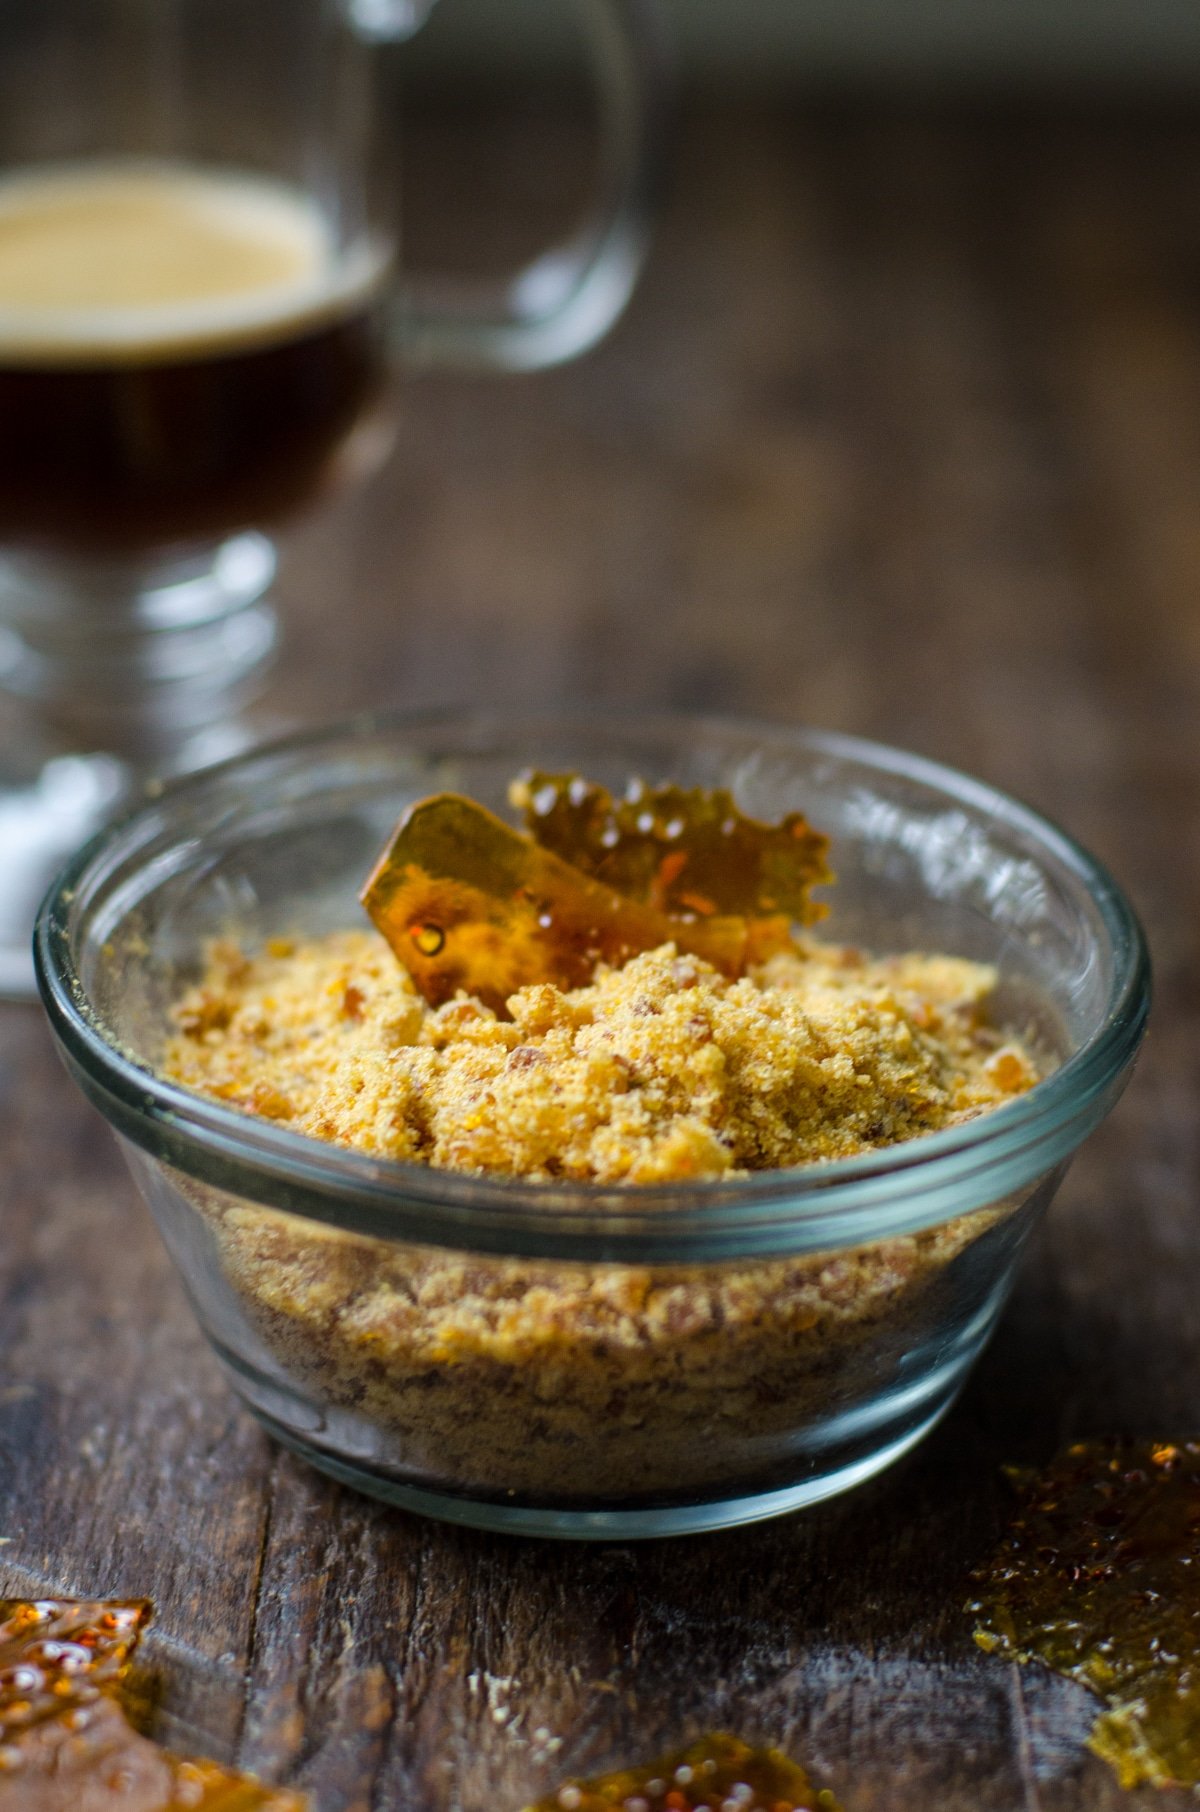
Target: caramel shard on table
(717, 1771)
(1099, 1578)
(468, 903)
(66, 1745)
(680, 849)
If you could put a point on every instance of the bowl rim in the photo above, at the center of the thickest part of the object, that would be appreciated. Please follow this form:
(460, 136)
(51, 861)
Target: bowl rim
(826, 1203)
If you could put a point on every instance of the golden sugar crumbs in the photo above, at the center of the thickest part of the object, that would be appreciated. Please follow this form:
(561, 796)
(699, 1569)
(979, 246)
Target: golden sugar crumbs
(661, 1070)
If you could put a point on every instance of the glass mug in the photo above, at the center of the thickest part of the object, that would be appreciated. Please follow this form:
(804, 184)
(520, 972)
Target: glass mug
(199, 299)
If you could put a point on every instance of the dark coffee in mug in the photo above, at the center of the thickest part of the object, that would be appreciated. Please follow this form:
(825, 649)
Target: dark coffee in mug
(183, 353)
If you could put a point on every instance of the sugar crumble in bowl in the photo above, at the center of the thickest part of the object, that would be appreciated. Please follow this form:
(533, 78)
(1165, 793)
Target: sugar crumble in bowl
(696, 1234)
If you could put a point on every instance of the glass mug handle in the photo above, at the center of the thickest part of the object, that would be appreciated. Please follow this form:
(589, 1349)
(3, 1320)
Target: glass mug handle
(570, 296)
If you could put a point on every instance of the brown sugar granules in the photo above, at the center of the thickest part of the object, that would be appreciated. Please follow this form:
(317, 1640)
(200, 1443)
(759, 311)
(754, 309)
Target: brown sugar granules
(588, 1381)
(660, 1071)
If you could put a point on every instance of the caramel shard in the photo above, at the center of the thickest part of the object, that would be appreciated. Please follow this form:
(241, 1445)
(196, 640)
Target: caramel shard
(717, 1771)
(1099, 1578)
(66, 1745)
(682, 850)
(468, 903)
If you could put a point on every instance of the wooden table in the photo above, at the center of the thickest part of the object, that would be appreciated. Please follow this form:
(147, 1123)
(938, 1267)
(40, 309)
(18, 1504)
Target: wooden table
(901, 436)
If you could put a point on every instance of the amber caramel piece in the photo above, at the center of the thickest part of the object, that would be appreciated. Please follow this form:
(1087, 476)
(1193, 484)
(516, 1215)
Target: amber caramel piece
(682, 850)
(66, 1745)
(717, 1772)
(468, 903)
(1099, 1578)
(54, 1650)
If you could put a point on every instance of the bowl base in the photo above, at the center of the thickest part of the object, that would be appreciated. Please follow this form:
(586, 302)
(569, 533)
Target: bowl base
(639, 1523)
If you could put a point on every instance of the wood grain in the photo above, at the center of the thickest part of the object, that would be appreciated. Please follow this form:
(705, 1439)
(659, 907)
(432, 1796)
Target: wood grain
(902, 435)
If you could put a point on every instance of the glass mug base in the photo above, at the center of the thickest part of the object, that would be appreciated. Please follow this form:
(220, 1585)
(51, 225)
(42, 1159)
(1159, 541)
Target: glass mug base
(131, 654)
(114, 670)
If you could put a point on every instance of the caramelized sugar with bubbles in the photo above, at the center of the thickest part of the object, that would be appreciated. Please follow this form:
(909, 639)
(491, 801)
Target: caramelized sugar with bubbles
(1099, 1578)
(689, 852)
(718, 1774)
(66, 1744)
(467, 903)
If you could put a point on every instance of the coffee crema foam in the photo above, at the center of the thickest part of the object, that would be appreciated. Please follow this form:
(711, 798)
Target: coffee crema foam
(110, 263)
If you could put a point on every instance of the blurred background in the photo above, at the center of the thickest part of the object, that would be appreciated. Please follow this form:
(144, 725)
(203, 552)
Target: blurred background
(900, 435)
(789, 44)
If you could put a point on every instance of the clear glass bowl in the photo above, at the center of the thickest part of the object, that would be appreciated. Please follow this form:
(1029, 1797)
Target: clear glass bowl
(568, 1359)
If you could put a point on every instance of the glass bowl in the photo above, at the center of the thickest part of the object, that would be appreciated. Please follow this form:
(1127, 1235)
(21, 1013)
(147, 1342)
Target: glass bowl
(582, 1360)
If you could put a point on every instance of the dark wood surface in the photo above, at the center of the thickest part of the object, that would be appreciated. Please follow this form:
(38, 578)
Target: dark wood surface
(901, 436)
